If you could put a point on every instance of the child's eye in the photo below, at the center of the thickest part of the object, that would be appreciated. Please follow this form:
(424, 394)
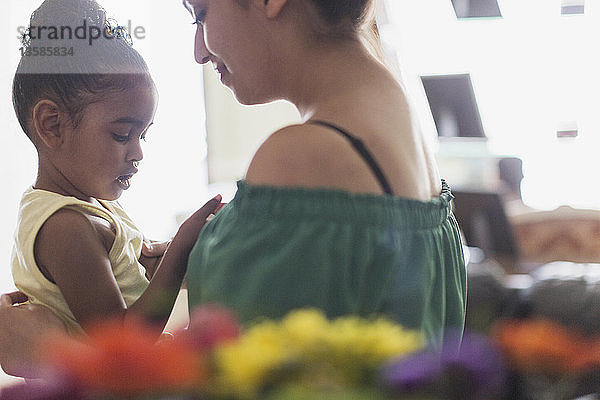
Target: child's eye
(200, 18)
(120, 138)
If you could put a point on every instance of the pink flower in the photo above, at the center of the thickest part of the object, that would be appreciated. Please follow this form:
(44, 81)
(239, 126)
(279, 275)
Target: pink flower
(209, 326)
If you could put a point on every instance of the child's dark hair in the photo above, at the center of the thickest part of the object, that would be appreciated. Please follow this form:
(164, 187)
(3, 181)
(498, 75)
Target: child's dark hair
(107, 63)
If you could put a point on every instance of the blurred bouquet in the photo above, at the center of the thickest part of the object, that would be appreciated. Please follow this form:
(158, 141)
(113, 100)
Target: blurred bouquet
(306, 356)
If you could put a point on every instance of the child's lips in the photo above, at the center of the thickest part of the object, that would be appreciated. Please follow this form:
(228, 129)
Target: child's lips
(124, 181)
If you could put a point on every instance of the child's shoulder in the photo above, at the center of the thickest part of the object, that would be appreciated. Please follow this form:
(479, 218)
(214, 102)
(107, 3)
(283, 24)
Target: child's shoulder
(74, 228)
(61, 215)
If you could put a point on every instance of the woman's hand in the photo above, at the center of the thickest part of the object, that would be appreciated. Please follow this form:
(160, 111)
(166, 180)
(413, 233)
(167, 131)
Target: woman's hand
(22, 328)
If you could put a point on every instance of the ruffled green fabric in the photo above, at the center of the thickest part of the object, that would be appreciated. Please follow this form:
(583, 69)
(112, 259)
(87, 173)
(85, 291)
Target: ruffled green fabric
(274, 249)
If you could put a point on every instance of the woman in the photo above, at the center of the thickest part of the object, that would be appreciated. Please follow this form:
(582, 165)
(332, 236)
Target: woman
(345, 211)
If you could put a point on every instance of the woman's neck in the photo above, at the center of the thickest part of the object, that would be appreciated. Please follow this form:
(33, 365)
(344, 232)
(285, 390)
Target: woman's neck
(324, 75)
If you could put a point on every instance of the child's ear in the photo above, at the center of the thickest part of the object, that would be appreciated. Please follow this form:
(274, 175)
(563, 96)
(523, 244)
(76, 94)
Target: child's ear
(273, 7)
(46, 122)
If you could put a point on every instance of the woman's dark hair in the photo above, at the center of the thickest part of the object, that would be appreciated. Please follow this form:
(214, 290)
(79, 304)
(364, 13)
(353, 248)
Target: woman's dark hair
(336, 11)
(357, 16)
(97, 58)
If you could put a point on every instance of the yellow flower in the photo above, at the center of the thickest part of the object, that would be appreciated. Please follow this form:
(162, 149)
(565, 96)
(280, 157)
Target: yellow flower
(371, 342)
(306, 347)
(383, 339)
(305, 329)
(245, 365)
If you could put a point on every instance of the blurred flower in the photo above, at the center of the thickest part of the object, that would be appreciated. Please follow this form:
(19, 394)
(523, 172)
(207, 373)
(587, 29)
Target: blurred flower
(474, 371)
(547, 347)
(53, 388)
(306, 356)
(305, 329)
(244, 367)
(306, 347)
(370, 342)
(209, 326)
(123, 360)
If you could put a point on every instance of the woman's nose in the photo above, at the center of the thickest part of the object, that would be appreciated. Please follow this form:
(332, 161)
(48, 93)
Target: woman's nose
(201, 53)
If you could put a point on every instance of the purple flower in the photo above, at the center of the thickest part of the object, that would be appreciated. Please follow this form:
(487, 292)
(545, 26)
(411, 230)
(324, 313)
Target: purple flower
(52, 387)
(413, 373)
(475, 370)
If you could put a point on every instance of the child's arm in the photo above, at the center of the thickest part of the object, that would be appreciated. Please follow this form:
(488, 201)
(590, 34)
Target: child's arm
(73, 250)
(157, 301)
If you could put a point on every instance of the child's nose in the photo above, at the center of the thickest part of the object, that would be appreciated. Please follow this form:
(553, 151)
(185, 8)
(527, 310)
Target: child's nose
(135, 151)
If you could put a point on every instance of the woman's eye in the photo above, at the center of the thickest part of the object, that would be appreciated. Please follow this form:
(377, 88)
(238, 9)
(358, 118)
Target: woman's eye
(145, 132)
(120, 138)
(200, 18)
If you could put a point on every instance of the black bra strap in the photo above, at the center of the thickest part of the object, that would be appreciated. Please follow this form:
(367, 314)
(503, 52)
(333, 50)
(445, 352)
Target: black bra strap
(362, 150)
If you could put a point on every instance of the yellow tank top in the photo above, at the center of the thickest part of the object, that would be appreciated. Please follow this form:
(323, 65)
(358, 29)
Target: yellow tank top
(35, 208)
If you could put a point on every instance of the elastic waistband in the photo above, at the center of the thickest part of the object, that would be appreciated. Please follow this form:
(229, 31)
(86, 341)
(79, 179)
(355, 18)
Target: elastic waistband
(369, 209)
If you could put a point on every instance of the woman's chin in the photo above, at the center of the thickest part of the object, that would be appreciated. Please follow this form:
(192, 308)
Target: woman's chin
(249, 99)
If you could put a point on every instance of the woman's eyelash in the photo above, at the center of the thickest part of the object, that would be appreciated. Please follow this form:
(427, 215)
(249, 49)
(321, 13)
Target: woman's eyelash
(120, 138)
(200, 18)
(145, 132)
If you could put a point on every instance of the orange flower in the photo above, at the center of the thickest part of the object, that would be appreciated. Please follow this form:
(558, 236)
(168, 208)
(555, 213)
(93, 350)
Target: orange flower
(123, 359)
(544, 346)
(590, 354)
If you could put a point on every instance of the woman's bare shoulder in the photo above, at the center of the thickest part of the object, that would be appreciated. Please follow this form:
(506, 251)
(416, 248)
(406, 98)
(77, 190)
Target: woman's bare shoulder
(307, 155)
(283, 159)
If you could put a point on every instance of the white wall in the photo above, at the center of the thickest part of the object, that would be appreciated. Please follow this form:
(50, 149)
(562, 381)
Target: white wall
(532, 70)
(235, 131)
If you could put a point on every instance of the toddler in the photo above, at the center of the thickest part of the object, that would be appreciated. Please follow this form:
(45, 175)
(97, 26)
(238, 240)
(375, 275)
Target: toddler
(86, 105)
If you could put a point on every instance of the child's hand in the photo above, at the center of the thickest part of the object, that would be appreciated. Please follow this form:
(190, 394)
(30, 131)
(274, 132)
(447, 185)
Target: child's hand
(156, 303)
(153, 249)
(190, 229)
(152, 253)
